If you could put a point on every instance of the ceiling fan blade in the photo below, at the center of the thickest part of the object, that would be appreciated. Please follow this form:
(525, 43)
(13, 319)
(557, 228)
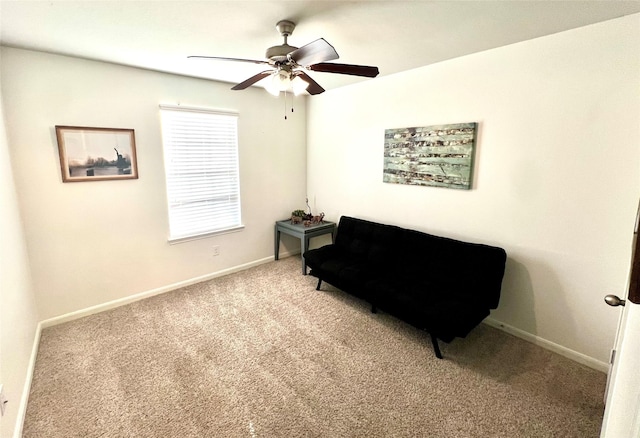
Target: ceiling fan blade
(253, 61)
(346, 69)
(314, 87)
(252, 80)
(313, 53)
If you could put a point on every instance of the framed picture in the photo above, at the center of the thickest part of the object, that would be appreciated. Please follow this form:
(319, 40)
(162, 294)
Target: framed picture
(437, 156)
(96, 154)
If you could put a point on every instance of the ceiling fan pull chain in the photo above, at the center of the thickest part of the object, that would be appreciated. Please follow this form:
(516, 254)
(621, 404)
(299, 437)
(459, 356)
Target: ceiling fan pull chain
(285, 104)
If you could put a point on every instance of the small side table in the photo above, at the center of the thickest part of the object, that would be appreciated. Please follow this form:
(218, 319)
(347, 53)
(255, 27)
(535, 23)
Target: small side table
(304, 234)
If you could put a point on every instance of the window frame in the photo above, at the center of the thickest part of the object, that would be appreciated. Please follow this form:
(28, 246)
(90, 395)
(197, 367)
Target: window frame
(175, 237)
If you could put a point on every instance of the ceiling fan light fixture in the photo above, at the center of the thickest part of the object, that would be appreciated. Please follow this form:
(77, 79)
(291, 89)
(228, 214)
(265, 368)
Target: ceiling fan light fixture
(279, 81)
(299, 85)
(271, 88)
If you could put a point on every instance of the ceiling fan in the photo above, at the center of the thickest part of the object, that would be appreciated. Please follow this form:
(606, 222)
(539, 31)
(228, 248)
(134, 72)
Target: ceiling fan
(289, 64)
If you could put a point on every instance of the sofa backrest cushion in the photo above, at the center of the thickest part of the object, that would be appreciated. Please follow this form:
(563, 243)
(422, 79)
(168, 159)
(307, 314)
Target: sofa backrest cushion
(370, 241)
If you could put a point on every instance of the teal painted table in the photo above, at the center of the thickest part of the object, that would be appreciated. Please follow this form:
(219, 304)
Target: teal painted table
(304, 234)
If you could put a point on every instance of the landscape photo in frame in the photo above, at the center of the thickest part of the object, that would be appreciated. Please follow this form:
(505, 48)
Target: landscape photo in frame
(438, 155)
(96, 154)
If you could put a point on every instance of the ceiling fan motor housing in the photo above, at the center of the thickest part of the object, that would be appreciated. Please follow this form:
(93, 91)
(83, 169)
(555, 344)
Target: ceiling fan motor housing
(279, 53)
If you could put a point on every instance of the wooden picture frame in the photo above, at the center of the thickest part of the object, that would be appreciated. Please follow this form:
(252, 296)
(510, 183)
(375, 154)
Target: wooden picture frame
(96, 154)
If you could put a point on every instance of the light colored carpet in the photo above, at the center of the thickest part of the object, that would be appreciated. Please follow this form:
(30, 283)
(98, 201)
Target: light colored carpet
(261, 353)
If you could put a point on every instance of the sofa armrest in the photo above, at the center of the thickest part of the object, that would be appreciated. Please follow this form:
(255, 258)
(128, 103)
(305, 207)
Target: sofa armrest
(319, 255)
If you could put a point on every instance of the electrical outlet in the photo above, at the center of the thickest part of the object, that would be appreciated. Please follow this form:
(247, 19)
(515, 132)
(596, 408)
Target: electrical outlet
(3, 400)
(216, 250)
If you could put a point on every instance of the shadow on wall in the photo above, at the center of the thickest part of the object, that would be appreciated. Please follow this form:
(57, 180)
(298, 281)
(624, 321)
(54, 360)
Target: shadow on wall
(517, 301)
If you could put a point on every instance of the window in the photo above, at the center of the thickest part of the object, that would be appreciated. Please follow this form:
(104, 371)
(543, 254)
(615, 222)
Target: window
(201, 166)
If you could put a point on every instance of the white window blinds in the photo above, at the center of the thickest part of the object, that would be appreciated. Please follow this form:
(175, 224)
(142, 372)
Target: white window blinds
(201, 165)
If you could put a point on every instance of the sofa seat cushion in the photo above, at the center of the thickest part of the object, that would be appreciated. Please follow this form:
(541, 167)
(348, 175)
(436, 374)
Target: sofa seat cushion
(340, 269)
(346, 270)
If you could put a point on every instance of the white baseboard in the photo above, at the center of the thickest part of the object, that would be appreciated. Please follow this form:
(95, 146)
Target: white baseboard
(22, 407)
(544, 343)
(140, 296)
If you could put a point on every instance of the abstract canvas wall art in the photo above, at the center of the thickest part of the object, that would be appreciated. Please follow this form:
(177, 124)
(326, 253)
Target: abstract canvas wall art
(438, 155)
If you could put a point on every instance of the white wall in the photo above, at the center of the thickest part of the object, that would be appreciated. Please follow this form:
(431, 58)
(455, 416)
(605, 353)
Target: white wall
(94, 242)
(556, 174)
(18, 313)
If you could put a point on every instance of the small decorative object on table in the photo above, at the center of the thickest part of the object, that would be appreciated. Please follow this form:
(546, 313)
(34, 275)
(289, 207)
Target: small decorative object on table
(307, 219)
(297, 216)
(314, 220)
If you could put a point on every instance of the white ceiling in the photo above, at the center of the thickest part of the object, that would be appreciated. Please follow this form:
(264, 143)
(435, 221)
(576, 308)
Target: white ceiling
(393, 35)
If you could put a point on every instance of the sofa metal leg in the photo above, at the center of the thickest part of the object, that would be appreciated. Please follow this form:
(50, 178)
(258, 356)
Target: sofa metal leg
(436, 347)
(319, 283)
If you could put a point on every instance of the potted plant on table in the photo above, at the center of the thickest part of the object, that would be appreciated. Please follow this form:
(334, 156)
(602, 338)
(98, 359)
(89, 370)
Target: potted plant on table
(297, 216)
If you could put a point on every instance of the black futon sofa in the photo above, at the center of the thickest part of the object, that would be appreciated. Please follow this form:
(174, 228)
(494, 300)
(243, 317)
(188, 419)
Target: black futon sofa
(438, 284)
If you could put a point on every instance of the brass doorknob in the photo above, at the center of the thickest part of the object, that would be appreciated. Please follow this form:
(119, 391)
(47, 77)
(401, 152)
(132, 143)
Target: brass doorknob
(614, 300)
